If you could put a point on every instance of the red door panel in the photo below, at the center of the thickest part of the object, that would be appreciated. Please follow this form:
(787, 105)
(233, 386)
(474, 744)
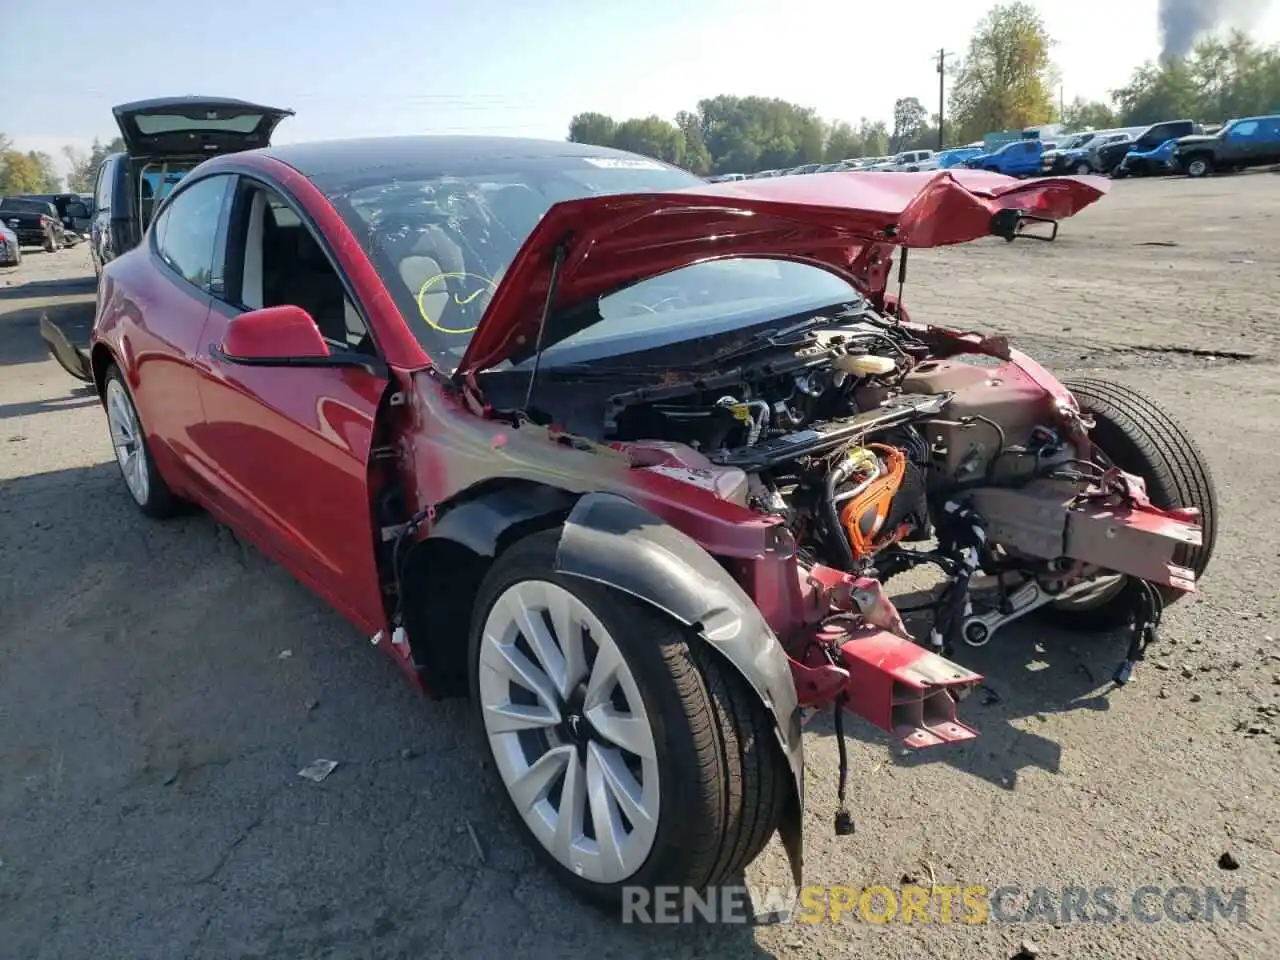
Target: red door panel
(289, 448)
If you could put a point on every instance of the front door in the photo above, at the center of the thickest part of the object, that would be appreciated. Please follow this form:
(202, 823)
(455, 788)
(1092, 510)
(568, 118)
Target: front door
(290, 445)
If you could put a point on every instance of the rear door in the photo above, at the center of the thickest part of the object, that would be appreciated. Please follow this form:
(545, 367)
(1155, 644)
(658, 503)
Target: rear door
(169, 308)
(1270, 149)
(195, 126)
(289, 446)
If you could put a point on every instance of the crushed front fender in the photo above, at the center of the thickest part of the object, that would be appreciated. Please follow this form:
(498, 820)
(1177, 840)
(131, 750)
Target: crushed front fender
(611, 540)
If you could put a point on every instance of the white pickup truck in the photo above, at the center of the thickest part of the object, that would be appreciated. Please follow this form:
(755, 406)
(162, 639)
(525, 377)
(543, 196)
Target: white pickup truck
(909, 162)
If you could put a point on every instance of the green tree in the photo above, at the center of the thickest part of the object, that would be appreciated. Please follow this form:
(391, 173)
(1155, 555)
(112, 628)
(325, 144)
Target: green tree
(50, 181)
(23, 173)
(1218, 80)
(909, 116)
(746, 134)
(697, 158)
(1082, 114)
(651, 136)
(84, 168)
(874, 137)
(842, 143)
(594, 128)
(1005, 81)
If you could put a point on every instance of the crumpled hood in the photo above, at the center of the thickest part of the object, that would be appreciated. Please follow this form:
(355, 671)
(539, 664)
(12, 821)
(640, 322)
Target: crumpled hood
(608, 242)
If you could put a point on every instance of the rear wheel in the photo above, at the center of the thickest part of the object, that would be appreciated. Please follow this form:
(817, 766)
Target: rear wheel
(50, 242)
(631, 753)
(1142, 438)
(137, 467)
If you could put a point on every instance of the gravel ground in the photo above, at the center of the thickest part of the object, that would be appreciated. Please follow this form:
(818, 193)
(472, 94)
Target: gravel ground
(161, 685)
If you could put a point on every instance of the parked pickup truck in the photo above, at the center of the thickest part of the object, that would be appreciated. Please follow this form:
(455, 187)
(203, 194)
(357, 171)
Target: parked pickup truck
(1246, 142)
(1019, 158)
(164, 140)
(73, 212)
(35, 222)
(909, 162)
(1147, 163)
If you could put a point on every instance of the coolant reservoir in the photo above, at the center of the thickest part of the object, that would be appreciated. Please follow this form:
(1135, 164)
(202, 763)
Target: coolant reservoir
(865, 365)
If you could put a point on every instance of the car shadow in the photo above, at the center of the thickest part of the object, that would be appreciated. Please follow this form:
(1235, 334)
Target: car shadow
(1030, 671)
(20, 340)
(163, 684)
(49, 288)
(78, 395)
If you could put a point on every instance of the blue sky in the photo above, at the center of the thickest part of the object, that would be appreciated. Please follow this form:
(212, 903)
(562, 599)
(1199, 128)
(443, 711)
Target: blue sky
(382, 67)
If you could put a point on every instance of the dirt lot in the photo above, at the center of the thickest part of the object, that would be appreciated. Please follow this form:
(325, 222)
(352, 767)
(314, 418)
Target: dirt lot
(160, 685)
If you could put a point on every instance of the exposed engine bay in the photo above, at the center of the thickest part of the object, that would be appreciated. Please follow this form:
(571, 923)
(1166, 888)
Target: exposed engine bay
(861, 435)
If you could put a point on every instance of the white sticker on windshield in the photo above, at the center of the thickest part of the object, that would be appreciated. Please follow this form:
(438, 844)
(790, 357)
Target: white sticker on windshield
(623, 163)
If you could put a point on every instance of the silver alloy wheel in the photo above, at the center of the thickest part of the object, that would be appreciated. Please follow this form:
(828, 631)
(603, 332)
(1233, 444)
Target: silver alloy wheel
(126, 437)
(1198, 167)
(568, 731)
(1082, 169)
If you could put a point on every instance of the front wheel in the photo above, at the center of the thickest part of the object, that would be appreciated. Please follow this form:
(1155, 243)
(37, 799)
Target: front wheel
(1142, 438)
(631, 753)
(1081, 169)
(1199, 167)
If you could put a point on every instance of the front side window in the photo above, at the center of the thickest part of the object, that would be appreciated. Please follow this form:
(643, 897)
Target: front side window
(1243, 129)
(284, 263)
(186, 232)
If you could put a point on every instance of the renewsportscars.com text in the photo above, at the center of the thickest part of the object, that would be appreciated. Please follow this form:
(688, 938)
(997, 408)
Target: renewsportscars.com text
(972, 905)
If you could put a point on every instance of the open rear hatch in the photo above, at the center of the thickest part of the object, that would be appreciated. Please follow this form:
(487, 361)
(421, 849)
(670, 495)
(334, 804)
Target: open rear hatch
(195, 126)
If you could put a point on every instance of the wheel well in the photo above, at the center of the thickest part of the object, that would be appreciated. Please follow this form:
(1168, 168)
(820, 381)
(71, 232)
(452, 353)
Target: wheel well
(100, 359)
(440, 579)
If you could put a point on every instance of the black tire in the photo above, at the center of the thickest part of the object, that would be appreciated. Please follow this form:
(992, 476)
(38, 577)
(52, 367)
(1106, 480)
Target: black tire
(1198, 166)
(723, 781)
(160, 502)
(1082, 168)
(1142, 438)
(50, 242)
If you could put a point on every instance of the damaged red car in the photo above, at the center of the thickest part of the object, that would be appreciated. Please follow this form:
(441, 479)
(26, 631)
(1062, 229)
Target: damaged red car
(625, 457)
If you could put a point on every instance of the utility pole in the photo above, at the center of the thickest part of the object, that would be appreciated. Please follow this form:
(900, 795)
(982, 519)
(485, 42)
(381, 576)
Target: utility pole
(1062, 105)
(942, 95)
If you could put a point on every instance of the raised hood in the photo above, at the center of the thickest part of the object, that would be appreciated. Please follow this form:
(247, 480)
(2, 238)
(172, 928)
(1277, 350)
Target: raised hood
(195, 126)
(613, 241)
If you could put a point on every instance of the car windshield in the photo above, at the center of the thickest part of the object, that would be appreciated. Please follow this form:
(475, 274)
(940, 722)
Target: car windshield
(443, 243)
(699, 301)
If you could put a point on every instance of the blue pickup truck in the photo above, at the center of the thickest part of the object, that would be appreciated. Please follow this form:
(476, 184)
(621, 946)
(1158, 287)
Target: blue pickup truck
(1147, 163)
(1021, 158)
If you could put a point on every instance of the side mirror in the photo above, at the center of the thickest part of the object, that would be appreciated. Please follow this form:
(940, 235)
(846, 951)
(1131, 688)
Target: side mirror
(286, 336)
(273, 336)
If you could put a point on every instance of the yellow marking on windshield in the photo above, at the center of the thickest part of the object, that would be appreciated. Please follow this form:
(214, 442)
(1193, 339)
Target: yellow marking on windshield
(487, 285)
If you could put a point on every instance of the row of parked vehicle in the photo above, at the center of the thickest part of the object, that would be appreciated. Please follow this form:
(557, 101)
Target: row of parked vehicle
(1172, 146)
(49, 221)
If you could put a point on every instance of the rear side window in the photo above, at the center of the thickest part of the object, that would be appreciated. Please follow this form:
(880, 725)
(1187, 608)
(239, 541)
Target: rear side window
(102, 190)
(186, 232)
